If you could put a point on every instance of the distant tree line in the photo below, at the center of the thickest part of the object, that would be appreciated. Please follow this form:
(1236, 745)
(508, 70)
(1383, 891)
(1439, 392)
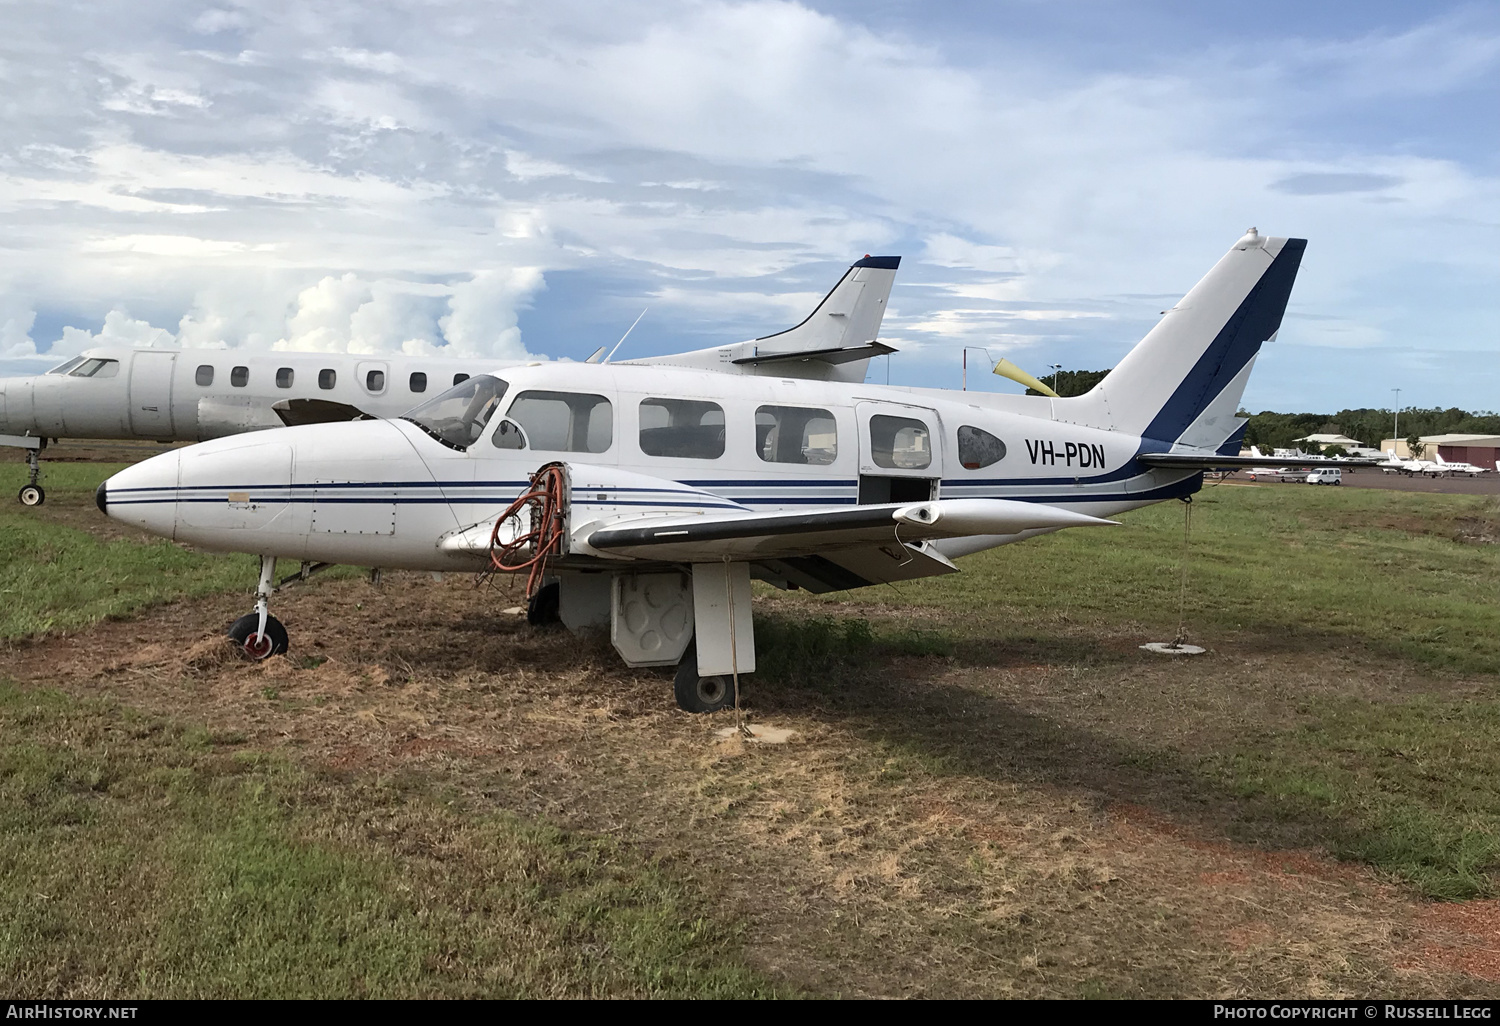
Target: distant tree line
(1070, 382)
(1271, 430)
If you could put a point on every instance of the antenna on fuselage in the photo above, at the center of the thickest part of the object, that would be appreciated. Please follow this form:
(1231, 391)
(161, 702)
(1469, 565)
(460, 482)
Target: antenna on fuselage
(623, 337)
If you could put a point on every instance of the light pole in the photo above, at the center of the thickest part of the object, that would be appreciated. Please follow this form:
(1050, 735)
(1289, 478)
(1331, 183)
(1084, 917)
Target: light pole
(1056, 378)
(1396, 419)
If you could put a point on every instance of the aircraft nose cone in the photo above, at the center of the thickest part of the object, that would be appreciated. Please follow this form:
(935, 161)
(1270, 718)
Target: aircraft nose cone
(143, 495)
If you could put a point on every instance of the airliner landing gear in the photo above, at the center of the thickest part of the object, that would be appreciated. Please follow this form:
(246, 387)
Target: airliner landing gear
(32, 494)
(260, 634)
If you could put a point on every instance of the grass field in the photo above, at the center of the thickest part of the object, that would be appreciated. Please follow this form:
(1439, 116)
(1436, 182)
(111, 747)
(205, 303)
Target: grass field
(417, 803)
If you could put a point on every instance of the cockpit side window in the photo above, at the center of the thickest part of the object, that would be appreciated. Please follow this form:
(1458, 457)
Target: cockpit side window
(565, 421)
(63, 368)
(457, 417)
(685, 428)
(978, 448)
(95, 368)
(204, 375)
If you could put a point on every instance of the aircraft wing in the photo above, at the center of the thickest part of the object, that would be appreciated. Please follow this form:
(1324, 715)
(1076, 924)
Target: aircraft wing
(824, 549)
(1213, 461)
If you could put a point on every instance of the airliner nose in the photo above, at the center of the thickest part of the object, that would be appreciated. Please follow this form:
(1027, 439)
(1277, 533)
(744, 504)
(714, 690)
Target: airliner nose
(143, 495)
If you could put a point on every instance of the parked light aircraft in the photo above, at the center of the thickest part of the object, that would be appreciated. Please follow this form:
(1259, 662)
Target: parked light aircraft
(1460, 467)
(651, 491)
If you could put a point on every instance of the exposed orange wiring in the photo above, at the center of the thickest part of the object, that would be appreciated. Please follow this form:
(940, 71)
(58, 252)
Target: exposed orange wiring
(545, 499)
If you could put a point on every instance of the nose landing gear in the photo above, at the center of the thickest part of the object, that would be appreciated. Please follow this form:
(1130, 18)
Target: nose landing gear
(259, 634)
(32, 494)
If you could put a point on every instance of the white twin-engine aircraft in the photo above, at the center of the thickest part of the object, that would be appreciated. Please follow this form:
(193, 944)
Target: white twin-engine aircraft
(650, 492)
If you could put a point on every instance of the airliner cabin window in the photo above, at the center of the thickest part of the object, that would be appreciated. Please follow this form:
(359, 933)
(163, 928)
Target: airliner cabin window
(375, 381)
(284, 377)
(95, 368)
(899, 443)
(978, 448)
(793, 434)
(457, 417)
(327, 378)
(239, 377)
(685, 428)
(565, 421)
(459, 379)
(205, 375)
(418, 382)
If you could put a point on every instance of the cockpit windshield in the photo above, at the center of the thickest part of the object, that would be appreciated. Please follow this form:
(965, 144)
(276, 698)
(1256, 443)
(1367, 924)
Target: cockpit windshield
(458, 416)
(63, 368)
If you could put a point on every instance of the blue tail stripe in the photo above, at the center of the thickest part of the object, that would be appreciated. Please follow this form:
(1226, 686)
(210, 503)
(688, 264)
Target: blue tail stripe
(1257, 319)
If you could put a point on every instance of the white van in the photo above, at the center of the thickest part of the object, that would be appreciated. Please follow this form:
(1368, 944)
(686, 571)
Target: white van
(1326, 475)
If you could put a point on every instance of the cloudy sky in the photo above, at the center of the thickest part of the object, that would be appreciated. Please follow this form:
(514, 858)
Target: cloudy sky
(504, 178)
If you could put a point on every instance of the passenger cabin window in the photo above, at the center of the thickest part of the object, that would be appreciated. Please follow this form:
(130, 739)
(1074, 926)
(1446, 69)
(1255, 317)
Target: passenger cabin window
(95, 368)
(375, 381)
(284, 376)
(327, 378)
(205, 375)
(418, 382)
(794, 434)
(565, 421)
(63, 368)
(459, 379)
(457, 417)
(239, 377)
(685, 428)
(899, 443)
(978, 448)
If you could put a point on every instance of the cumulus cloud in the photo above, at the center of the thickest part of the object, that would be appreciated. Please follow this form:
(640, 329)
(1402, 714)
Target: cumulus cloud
(420, 175)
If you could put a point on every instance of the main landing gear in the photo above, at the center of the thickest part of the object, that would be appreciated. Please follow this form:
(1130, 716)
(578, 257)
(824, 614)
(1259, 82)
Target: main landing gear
(697, 694)
(260, 634)
(31, 494)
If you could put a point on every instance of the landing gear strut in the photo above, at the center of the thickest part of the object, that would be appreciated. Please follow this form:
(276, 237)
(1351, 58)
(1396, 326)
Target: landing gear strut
(32, 494)
(260, 634)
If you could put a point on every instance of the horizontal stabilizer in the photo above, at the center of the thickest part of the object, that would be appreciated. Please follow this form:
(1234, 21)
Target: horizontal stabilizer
(1213, 461)
(830, 356)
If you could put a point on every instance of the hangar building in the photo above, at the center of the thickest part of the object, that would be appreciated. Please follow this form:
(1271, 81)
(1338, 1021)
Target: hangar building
(1480, 450)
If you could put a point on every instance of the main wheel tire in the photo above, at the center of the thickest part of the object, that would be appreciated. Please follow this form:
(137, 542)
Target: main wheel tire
(32, 495)
(255, 646)
(697, 694)
(545, 607)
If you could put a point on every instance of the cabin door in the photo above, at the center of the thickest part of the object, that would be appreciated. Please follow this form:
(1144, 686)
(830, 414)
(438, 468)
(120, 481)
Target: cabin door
(900, 455)
(151, 394)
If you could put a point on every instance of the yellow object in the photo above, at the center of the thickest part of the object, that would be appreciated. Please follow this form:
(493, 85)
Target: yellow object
(1006, 369)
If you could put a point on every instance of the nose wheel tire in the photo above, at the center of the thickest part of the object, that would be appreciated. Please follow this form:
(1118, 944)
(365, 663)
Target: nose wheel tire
(32, 495)
(697, 694)
(259, 646)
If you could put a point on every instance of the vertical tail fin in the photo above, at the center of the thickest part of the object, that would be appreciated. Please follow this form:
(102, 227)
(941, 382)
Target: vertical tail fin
(1182, 383)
